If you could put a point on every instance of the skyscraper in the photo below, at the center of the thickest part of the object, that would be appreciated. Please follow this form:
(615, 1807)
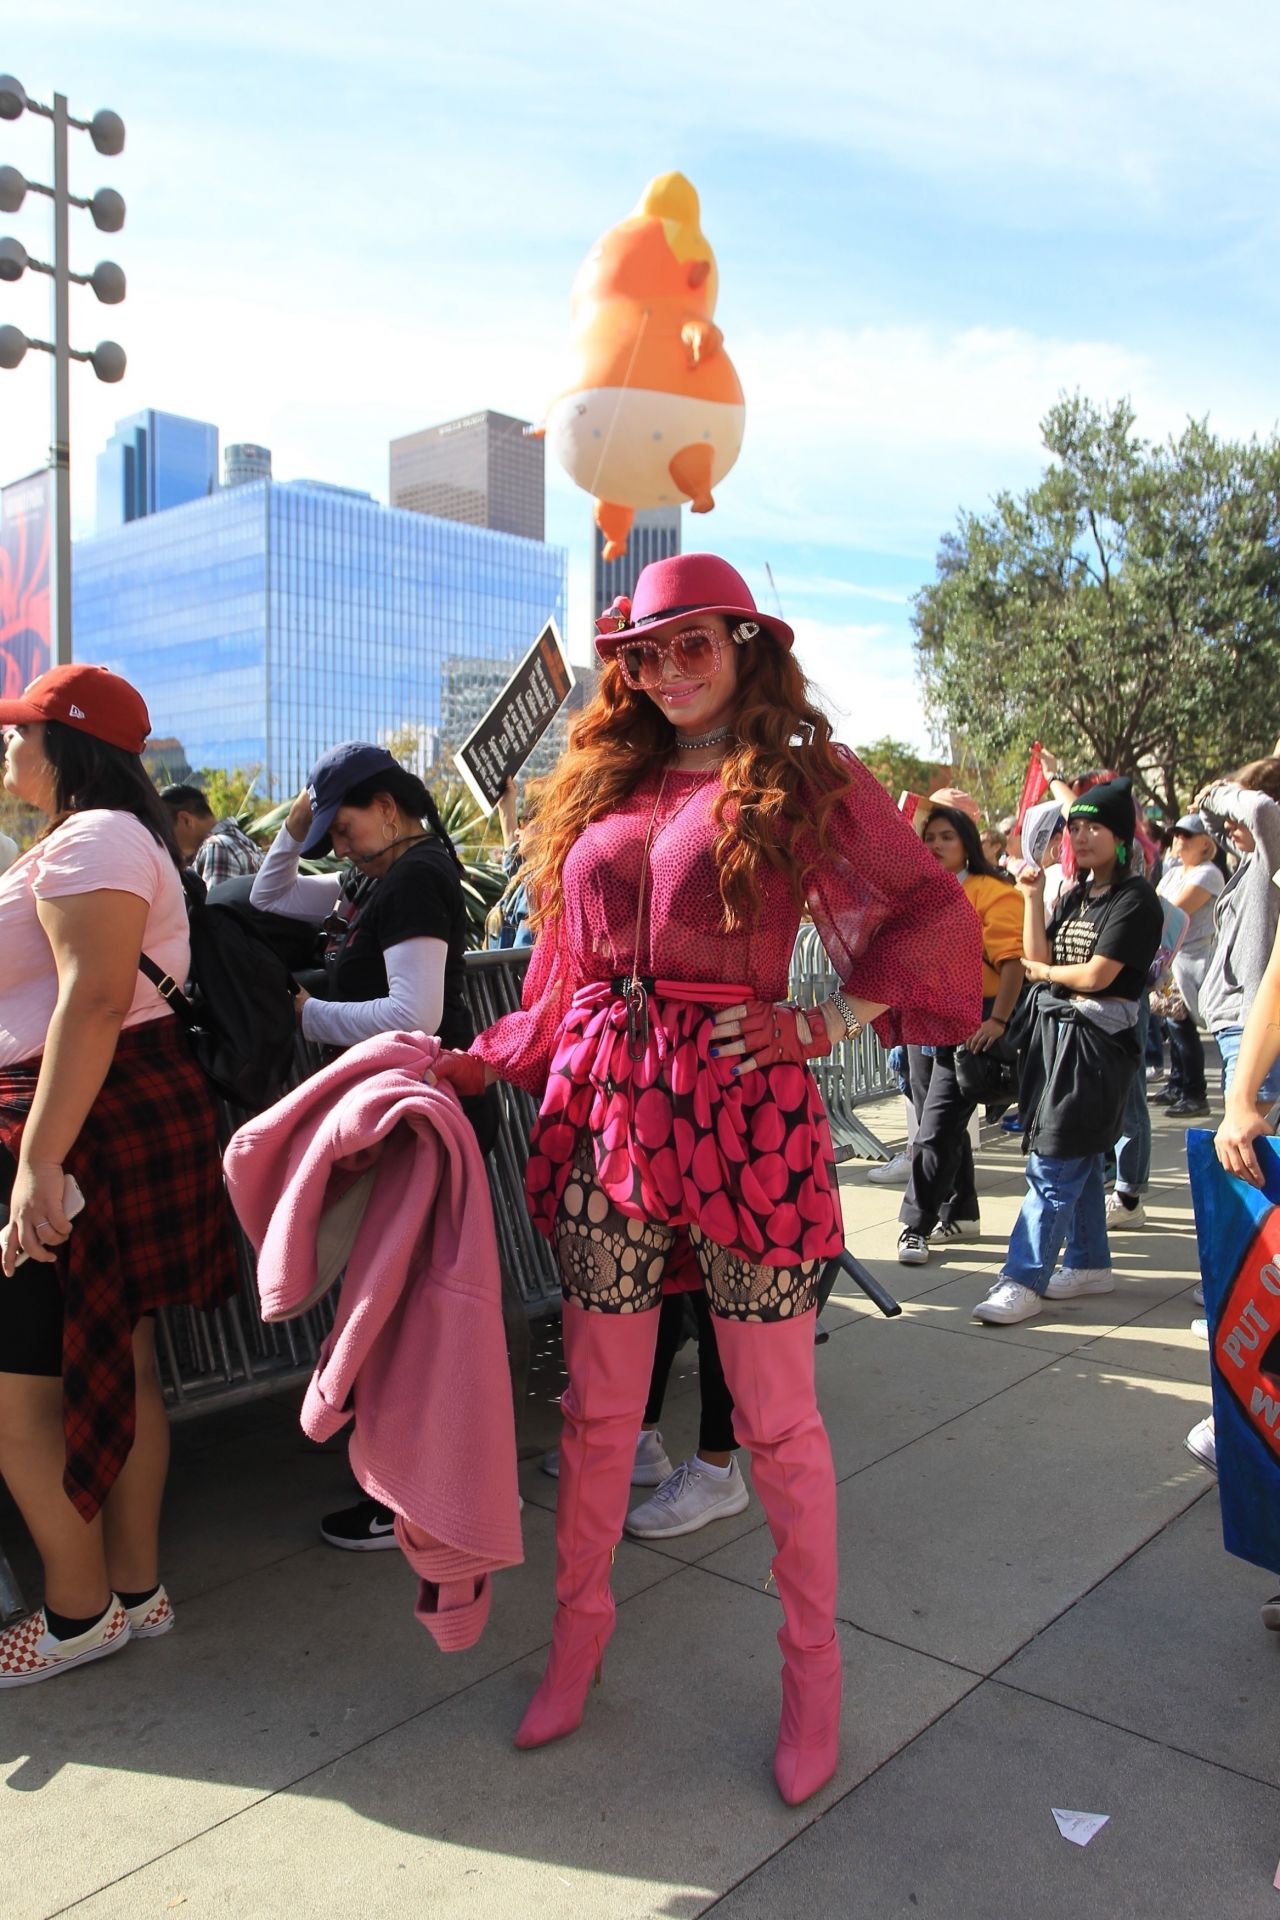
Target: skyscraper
(482, 469)
(273, 619)
(245, 461)
(655, 535)
(152, 461)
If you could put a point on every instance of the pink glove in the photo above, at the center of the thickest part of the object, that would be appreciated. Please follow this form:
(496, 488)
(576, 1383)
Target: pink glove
(465, 1073)
(768, 1033)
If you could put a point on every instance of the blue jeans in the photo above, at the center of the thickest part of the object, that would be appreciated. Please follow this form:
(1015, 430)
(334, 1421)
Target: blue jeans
(1133, 1148)
(1066, 1200)
(1228, 1039)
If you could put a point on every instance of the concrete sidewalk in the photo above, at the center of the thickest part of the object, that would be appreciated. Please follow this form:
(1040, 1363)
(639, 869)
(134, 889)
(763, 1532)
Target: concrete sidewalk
(1035, 1606)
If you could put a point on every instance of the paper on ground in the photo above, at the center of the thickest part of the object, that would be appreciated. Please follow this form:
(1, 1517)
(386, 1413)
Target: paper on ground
(1078, 1828)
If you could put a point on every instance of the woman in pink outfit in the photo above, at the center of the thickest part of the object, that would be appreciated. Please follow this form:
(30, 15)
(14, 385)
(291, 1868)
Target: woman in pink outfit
(701, 808)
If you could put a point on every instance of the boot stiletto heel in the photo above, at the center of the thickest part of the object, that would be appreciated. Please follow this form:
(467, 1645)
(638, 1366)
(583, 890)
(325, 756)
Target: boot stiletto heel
(609, 1358)
(769, 1369)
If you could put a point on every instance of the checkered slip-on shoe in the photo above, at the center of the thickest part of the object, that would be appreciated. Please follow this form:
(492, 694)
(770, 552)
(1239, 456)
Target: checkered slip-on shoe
(29, 1652)
(150, 1618)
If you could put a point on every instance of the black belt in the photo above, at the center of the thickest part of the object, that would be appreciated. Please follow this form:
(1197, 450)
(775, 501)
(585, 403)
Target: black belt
(622, 983)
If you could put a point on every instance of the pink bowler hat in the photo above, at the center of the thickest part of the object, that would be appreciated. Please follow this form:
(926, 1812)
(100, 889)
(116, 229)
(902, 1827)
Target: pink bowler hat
(668, 591)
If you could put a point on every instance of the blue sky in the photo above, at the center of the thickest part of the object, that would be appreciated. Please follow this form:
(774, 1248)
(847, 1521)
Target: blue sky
(346, 223)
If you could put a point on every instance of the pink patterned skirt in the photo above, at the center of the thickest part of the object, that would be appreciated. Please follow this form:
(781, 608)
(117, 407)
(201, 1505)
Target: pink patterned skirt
(676, 1139)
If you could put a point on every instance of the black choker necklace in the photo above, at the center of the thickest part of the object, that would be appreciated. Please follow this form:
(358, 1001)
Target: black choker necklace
(716, 738)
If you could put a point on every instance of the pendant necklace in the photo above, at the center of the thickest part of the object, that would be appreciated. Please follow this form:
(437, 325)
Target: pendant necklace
(636, 997)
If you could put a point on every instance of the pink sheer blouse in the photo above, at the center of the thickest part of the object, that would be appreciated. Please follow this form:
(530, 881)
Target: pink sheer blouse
(898, 928)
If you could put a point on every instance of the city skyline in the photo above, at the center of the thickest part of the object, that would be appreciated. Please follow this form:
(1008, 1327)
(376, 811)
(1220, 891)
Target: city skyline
(923, 237)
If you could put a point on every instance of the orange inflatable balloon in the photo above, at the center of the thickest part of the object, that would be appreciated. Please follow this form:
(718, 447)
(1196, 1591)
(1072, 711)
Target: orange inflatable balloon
(654, 415)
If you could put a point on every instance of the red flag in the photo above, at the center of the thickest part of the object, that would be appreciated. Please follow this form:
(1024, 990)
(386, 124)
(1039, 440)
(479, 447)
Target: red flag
(1034, 787)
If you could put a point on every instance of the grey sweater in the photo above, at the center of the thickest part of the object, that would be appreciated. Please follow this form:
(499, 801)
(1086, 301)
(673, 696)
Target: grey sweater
(1247, 910)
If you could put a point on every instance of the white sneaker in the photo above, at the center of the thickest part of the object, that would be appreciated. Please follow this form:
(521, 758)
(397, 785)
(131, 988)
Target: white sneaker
(1068, 1283)
(892, 1173)
(688, 1499)
(954, 1230)
(1200, 1330)
(1203, 1443)
(650, 1470)
(652, 1465)
(1118, 1215)
(913, 1248)
(1007, 1302)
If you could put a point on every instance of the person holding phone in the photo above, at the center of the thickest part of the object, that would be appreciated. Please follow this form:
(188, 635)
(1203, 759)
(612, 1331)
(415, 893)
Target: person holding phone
(100, 1097)
(1088, 969)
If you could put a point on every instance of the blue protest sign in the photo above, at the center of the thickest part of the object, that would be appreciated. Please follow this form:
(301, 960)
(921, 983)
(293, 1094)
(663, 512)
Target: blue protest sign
(1238, 1229)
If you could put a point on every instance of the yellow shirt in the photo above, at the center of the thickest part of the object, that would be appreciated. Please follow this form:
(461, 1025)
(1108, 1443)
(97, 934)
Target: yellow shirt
(999, 908)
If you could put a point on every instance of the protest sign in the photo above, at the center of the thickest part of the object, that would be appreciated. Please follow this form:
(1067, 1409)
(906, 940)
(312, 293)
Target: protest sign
(1238, 1229)
(499, 746)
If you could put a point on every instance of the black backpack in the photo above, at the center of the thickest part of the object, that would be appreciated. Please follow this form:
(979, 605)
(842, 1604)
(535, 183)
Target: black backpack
(238, 1008)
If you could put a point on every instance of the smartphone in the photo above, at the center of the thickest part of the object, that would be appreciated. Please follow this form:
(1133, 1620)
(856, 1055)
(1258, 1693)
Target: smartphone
(72, 1204)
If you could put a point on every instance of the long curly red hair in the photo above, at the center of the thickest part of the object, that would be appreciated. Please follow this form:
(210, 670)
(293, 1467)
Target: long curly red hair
(781, 779)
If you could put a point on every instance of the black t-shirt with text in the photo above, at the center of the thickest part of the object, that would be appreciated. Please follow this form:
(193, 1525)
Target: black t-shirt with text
(1124, 924)
(418, 898)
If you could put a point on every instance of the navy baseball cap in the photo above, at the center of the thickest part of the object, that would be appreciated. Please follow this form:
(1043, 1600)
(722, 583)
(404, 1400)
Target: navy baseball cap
(331, 779)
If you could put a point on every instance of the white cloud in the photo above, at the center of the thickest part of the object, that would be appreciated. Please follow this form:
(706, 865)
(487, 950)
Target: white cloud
(865, 677)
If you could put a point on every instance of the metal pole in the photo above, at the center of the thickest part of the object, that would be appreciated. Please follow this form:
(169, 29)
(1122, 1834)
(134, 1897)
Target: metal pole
(60, 451)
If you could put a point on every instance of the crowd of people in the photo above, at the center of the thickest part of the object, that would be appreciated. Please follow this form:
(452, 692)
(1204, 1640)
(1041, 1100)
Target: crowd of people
(681, 1164)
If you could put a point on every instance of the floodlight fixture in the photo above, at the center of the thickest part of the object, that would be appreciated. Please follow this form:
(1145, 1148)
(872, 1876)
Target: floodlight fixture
(106, 130)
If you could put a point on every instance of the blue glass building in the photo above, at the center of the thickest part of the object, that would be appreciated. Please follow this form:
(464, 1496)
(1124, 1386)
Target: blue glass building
(153, 461)
(271, 620)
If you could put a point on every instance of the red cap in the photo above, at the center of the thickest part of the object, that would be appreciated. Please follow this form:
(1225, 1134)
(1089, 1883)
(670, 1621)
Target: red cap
(92, 699)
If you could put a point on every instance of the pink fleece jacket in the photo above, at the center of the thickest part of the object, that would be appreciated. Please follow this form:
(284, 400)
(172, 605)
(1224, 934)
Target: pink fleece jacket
(417, 1357)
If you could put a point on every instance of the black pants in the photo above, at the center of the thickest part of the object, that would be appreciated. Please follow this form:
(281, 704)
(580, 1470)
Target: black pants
(715, 1429)
(1186, 1070)
(942, 1184)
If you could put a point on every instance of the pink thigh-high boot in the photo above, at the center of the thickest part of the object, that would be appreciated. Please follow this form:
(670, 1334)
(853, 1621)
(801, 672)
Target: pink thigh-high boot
(769, 1369)
(609, 1357)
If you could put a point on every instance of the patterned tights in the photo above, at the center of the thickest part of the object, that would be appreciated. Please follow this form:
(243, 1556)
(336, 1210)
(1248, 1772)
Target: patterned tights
(610, 1263)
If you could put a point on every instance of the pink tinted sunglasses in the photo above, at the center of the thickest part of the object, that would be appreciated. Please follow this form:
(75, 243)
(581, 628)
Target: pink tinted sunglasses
(695, 654)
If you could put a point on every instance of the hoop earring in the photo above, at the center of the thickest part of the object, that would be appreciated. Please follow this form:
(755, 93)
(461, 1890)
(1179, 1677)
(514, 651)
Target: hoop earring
(388, 834)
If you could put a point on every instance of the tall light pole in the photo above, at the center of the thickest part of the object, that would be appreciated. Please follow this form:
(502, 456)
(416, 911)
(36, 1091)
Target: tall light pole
(106, 208)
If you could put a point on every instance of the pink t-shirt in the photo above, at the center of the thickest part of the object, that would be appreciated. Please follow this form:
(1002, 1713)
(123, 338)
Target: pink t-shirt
(100, 850)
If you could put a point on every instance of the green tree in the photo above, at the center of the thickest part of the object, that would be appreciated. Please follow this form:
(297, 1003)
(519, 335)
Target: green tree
(233, 794)
(899, 767)
(1126, 610)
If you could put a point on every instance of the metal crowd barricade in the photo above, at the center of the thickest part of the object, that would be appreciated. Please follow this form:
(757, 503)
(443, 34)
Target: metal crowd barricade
(853, 1072)
(231, 1354)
